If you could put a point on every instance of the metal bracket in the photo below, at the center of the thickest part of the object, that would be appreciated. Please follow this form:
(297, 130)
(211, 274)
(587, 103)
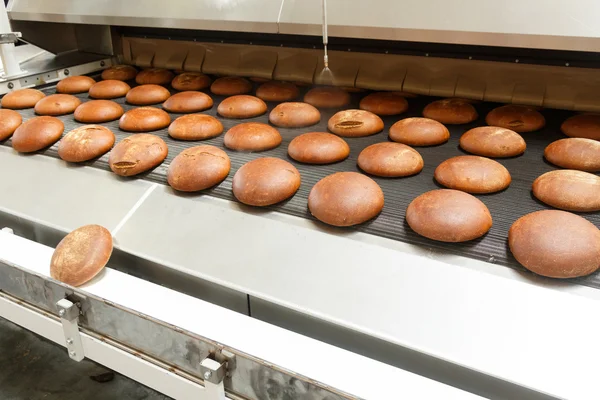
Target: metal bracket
(9, 37)
(69, 318)
(214, 373)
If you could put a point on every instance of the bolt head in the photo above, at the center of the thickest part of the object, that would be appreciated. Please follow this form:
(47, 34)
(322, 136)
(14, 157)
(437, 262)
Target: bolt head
(61, 312)
(69, 341)
(72, 353)
(207, 374)
(66, 72)
(11, 85)
(102, 63)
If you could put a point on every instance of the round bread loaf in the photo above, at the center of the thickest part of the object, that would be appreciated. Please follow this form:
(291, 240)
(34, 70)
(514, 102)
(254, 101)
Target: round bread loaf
(318, 148)
(355, 123)
(195, 127)
(556, 244)
(85, 143)
(265, 181)
(390, 160)
(384, 103)
(144, 119)
(569, 189)
(37, 133)
(119, 73)
(419, 132)
(75, 84)
(451, 111)
(109, 89)
(198, 168)
(345, 199)
(154, 76)
(575, 153)
(9, 122)
(493, 141)
(81, 255)
(294, 115)
(580, 126)
(518, 118)
(96, 111)
(252, 136)
(188, 102)
(191, 81)
(327, 97)
(137, 153)
(231, 86)
(145, 95)
(448, 215)
(57, 104)
(242, 106)
(277, 91)
(22, 98)
(472, 174)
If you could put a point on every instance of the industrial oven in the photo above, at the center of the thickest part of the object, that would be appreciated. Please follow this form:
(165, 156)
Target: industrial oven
(205, 298)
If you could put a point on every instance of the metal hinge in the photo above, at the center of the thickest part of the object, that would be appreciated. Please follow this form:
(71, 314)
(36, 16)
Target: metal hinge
(69, 317)
(9, 37)
(214, 371)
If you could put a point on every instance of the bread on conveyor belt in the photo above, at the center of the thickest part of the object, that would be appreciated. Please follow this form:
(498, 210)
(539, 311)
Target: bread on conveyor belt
(144, 119)
(554, 243)
(265, 181)
(569, 189)
(85, 143)
(195, 127)
(9, 121)
(252, 136)
(109, 89)
(37, 133)
(448, 215)
(345, 199)
(145, 95)
(419, 132)
(384, 103)
(231, 86)
(22, 98)
(277, 91)
(493, 141)
(188, 102)
(575, 153)
(518, 118)
(451, 111)
(390, 160)
(582, 126)
(97, 111)
(137, 153)
(242, 106)
(355, 123)
(294, 115)
(318, 148)
(198, 168)
(57, 104)
(327, 97)
(191, 81)
(75, 84)
(120, 73)
(472, 174)
(154, 76)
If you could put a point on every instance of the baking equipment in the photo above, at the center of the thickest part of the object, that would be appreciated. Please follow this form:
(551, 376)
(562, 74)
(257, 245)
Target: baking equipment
(410, 312)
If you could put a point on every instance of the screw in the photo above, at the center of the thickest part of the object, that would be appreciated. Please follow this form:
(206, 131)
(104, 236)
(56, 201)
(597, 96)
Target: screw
(426, 54)
(207, 374)
(470, 57)
(566, 64)
(387, 52)
(69, 341)
(72, 353)
(11, 85)
(66, 72)
(61, 312)
(102, 63)
(517, 60)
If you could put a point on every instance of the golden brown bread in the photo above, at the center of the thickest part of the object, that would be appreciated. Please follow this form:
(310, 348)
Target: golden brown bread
(242, 106)
(451, 111)
(22, 98)
(109, 89)
(9, 122)
(355, 123)
(81, 255)
(569, 189)
(137, 153)
(191, 81)
(472, 174)
(231, 86)
(556, 244)
(575, 153)
(252, 136)
(96, 111)
(345, 199)
(187, 102)
(37, 133)
(277, 91)
(384, 103)
(327, 97)
(294, 115)
(75, 84)
(198, 168)
(85, 143)
(419, 132)
(493, 141)
(57, 104)
(154, 76)
(119, 73)
(518, 118)
(195, 127)
(265, 181)
(145, 95)
(582, 126)
(144, 119)
(318, 148)
(448, 215)
(390, 160)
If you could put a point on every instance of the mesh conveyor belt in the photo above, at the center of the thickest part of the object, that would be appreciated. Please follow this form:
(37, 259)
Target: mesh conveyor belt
(505, 206)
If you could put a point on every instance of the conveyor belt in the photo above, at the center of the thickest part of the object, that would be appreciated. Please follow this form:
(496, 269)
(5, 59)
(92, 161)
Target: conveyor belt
(505, 206)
